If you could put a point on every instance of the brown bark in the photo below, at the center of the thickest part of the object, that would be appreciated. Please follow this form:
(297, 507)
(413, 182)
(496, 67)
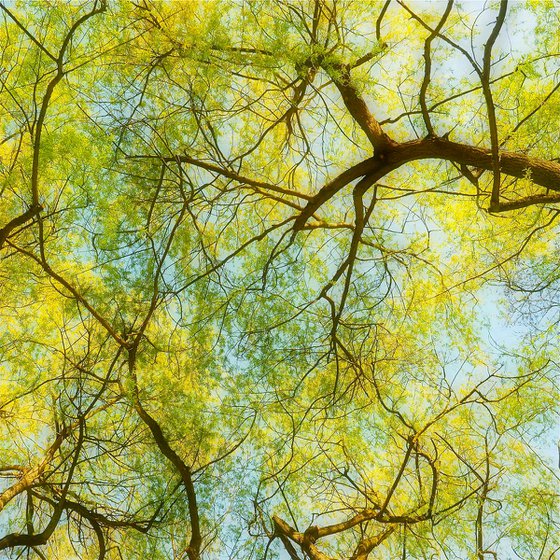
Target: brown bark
(541, 172)
(184, 470)
(359, 110)
(32, 475)
(367, 545)
(306, 540)
(193, 549)
(18, 221)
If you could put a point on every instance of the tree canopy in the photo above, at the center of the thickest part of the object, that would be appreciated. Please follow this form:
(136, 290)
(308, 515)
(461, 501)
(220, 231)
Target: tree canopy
(279, 279)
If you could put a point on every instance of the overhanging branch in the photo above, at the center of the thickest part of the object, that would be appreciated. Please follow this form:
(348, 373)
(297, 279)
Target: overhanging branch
(541, 172)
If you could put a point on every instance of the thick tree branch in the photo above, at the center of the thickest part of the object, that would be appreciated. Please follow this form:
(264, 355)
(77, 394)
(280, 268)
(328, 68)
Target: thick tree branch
(304, 540)
(30, 476)
(491, 109)
(359, 110)
(18, 221)
(367, 545)
(428, 68)
(541, 172)
(364, 515)
(193, 549)
(21, 539)
(307, 540)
